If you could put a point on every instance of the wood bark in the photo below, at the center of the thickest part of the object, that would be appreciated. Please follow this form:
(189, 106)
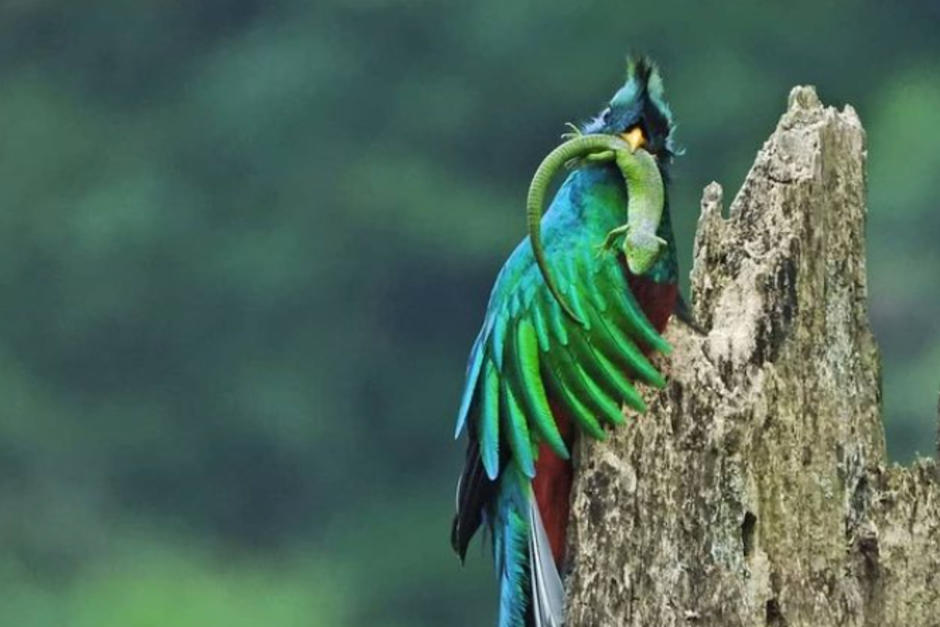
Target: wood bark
(755, 491)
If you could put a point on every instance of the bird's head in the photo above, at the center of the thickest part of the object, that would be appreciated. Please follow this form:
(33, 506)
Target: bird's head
(638, 113)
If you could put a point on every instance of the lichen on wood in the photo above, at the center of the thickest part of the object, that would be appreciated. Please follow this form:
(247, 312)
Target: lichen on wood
(755, 490)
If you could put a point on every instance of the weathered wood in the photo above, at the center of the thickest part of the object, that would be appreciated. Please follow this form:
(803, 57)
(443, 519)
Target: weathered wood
(755, 492)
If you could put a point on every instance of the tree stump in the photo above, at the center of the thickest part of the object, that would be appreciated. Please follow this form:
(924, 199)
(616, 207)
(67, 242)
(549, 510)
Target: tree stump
(755, 490)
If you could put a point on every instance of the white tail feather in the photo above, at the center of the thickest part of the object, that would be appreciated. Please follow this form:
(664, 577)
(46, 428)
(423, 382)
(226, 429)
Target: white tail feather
(548, 594)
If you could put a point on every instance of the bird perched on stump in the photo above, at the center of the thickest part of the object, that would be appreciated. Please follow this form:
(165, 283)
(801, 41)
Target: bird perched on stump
(574, 312)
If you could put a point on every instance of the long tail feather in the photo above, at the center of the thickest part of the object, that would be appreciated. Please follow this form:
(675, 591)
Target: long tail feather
(509, 522)
(548, 594)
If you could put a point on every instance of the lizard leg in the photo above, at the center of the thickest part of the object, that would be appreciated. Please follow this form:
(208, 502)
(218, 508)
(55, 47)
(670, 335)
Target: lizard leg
(603, 156)
(612, 236)
(600, 157)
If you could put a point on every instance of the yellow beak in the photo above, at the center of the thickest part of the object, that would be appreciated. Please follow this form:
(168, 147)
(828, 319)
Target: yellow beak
(634, 137)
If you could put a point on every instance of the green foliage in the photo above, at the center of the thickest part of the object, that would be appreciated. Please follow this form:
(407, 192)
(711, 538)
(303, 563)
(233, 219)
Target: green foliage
(153, 585)
(245, 248)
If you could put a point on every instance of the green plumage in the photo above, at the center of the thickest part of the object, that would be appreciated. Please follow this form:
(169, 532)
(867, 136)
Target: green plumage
(528, 343)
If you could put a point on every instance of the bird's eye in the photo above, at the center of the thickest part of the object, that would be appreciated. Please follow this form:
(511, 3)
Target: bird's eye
(605, 114)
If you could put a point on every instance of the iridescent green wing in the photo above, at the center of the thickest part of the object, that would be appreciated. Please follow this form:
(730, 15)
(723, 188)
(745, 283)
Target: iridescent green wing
(529, 351)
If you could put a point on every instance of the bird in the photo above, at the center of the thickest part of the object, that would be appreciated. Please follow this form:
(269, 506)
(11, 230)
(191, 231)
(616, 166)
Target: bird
(569, 326)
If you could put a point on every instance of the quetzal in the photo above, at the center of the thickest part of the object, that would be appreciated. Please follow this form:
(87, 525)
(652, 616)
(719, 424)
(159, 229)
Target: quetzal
(566, 333)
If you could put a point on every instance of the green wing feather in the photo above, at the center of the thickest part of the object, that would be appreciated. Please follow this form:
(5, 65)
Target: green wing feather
(587, 389)
(556, 320)
(517, 430)
(489, 420)
(541, 328)
(533, 391)
(582, 414)
(630, 313)
(611, 342)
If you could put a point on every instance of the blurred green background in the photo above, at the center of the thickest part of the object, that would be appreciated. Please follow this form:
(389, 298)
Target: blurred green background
(245, 247)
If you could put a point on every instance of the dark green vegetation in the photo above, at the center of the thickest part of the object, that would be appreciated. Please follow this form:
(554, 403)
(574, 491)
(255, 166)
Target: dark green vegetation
(246, 246)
